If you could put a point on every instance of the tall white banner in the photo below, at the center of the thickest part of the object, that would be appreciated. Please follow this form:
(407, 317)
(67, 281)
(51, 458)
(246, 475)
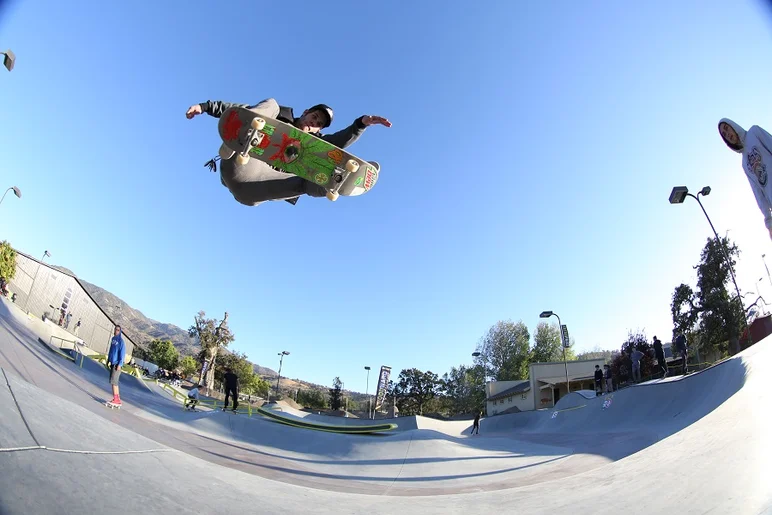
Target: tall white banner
(383, 386)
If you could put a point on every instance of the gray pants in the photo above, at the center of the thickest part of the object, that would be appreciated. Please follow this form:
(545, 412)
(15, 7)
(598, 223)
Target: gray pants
(115, 375)
(255, 182)
(636, 371)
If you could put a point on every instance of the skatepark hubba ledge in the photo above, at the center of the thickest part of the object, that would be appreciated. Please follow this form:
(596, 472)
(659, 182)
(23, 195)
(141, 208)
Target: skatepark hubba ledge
(696, 444)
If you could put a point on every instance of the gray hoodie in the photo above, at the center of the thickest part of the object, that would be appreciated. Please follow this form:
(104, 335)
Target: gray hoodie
(340, 139)
(756, 149)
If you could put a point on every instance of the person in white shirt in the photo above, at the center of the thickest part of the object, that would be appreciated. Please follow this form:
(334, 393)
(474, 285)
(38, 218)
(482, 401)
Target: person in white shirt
(192, 398)
(755, 145)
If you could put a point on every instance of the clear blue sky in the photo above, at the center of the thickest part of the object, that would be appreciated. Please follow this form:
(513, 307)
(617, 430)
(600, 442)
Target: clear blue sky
(528, 168)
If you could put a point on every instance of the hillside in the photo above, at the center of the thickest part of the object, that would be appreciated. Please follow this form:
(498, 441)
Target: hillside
(143, 330)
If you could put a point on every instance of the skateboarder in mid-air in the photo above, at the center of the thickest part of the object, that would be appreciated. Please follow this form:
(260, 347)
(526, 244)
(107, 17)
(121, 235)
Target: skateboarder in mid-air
(255, 182)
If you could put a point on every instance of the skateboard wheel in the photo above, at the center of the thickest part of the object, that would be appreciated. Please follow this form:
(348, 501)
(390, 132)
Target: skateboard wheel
(258, 124)
(332, 195)
(352, 166)
(242, 159)
(226, 152)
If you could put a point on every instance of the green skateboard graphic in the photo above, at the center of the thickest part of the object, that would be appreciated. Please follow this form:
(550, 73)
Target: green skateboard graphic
(252, 136)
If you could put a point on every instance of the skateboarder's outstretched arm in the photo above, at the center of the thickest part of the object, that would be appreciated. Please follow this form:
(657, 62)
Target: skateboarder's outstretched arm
(213, 108)
(350, 134)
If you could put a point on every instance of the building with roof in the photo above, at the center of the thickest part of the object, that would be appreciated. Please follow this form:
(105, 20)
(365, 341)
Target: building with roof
(546, 384)
(50, 293)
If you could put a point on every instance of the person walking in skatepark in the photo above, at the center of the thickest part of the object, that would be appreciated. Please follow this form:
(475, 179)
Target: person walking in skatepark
(231, 388)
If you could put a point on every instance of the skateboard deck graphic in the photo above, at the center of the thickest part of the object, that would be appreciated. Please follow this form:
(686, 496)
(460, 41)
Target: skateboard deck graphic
(251, 136)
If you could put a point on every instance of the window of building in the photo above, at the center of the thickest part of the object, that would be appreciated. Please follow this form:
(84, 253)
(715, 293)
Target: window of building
(509, 400)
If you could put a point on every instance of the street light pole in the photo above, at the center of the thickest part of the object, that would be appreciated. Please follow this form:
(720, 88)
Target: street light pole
(767, 268)
(485, 376)
(677, 196)
(9, 59)
(16, 191)
(278, 379)
(547, 314)
(485, 365)
(367, 394)
(32, 288)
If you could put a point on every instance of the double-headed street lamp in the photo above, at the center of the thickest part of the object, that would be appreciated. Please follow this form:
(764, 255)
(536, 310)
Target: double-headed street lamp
(677, 196)
(547, 314)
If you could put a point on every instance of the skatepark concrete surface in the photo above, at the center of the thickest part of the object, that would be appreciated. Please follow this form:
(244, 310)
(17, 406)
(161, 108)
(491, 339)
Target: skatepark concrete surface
(696, 444)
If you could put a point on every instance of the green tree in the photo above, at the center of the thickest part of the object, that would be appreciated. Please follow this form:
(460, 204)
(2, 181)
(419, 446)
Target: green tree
(336, 394)
(164, 354)
(255, 385)
(354, 405)
(311, 399)
(505, 350)
(463, 389)
(211, 336)
(188, 365)
(140, 352)
(596, 353)
(7, 261)
(414, 389)
(622, 364)
(721, 317)
(547, 345)
(249, 382)
(237, 362)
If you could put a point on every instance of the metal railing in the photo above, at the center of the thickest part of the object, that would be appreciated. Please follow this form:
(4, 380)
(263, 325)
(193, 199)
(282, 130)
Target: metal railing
(213, 404)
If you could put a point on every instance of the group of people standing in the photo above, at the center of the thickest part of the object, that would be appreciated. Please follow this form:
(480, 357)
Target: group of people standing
(604, 378)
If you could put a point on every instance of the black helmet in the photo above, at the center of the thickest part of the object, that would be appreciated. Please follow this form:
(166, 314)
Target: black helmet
(326, 110)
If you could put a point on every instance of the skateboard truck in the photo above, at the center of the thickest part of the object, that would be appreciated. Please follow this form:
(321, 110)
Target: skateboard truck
(352, 166)
(253, 140)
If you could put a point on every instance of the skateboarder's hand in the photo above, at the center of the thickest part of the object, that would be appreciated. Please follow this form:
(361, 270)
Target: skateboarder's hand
(193, 110)
(372, 120)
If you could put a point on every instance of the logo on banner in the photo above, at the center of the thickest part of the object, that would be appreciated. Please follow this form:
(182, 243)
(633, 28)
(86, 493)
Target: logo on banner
(383, 386)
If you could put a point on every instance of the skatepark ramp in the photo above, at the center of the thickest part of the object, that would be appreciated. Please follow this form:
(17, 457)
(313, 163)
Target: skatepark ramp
(698, 444)
(343, 429)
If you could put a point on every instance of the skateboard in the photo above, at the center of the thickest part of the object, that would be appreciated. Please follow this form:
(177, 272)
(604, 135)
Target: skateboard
(111, 405)
(252, 136)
